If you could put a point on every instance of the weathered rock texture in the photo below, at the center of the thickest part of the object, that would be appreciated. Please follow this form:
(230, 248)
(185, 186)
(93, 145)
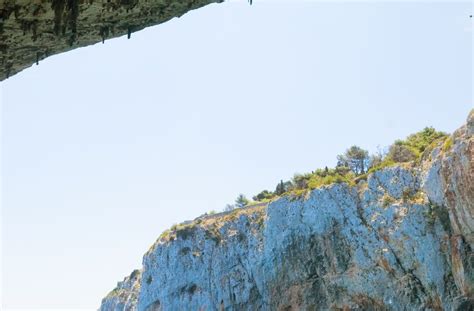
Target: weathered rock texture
(125, 295)
(402, 240)
(31, 30)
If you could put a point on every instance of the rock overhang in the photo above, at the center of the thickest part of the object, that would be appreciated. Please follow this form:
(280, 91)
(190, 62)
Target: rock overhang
(30, 31)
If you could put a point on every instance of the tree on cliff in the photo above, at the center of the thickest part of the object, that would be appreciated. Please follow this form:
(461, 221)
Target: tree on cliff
(355, 158)
(241, 201)
(283, 187)
(400, 152)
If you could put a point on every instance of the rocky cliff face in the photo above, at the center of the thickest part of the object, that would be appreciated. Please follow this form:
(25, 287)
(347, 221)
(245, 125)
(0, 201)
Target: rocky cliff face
(125, 295)
(401, 240)
(31, 30)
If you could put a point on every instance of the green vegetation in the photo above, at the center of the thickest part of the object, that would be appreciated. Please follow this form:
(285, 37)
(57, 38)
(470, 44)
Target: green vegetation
(183, 231)
(387, 200)
(419, 141)
(408, 196)
(283, 187)
(264, 195)
(208, 226)
(165, 234)
(317, 181)
(387, 162)
(241, 201)
(448, 143)
(441, 213)
(355, 158)
(354, 166)
(413, 147)
(212, 233)
(399, 152)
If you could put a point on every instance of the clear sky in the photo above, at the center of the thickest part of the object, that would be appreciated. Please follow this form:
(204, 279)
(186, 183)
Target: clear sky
(105, 147)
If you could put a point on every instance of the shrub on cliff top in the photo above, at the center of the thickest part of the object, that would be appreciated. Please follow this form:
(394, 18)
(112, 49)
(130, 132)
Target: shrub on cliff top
(413, 147)
(400, 152)
(318, 181)
(419, 141)
(356, 163)
(283, 187)
(264, 195)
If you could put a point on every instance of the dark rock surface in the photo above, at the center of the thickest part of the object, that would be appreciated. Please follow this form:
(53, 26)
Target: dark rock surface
(31, 30)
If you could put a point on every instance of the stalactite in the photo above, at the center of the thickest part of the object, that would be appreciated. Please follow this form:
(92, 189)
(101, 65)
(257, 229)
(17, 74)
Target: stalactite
(104, 33)
(58, 7)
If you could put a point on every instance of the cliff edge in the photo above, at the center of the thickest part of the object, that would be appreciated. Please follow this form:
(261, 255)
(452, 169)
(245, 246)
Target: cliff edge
(400, 240)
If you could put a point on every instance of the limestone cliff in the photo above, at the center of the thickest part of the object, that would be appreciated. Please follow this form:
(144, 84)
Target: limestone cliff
(31, 30)
(400, 240)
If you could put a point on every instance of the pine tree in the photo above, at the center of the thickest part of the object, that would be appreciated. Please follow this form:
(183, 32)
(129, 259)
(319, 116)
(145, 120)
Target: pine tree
(241, 201)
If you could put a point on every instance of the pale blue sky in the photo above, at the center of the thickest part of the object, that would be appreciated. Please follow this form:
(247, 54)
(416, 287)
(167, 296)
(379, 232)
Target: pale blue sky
(105, 147)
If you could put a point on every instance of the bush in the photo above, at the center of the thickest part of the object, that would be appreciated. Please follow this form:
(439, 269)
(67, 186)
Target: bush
(340, 170)
(387, 162)
(448, 143)
(419, 141)
(322, 172)
(356, 164)
(283, 187)
(318, 181)
(399, 152)
(301, 181)
(413, 147)
(264, 195)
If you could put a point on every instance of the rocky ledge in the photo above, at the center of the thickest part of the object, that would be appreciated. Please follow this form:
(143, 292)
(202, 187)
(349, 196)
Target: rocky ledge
(400, 240)
(31, 30)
